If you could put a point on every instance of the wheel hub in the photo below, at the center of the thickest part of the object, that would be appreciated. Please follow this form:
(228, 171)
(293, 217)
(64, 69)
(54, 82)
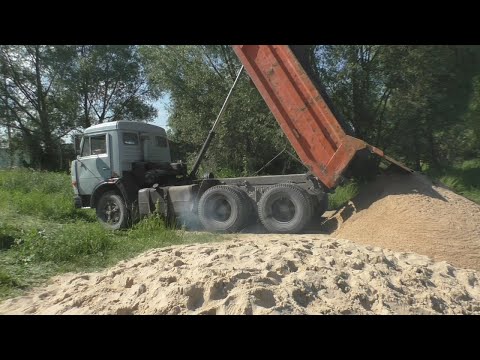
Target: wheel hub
(283, 210)
(112, 212)
(220, 209)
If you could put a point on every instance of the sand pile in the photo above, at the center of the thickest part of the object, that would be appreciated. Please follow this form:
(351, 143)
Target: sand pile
(408, 213)
(265, 274)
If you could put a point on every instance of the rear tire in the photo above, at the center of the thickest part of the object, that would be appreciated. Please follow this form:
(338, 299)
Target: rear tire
(285, 208)
(111, 211)
(223, 209)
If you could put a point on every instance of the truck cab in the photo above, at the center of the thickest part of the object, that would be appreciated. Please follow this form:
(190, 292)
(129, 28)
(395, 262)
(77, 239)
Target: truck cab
(120, 157)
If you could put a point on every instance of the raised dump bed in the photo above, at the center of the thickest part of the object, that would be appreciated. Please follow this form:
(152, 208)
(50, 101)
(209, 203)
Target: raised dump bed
(302, 112)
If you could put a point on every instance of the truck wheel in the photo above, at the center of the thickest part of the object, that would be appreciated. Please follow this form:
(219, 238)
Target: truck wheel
(222, 209)
(111, 211)
(285, 208)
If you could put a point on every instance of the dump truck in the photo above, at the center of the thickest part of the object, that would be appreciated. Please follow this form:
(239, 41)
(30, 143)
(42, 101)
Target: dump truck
(124, 169)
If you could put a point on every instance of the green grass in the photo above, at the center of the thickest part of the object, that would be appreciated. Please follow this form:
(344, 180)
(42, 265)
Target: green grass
(342, 195)
(42, 194)
(463, 178)
(42, 234)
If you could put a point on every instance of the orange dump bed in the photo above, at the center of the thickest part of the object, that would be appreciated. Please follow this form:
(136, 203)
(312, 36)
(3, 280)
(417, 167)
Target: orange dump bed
(302, 113)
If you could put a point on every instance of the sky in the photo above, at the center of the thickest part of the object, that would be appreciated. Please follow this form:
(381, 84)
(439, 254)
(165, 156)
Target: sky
(162, 116)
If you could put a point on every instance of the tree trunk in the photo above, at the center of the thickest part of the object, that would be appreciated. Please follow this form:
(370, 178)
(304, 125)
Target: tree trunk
(418, 164)
(11, 152)
(49, 159)
(433, 150)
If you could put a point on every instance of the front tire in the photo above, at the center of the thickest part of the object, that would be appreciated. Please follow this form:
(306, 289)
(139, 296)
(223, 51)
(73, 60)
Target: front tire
(111, 211)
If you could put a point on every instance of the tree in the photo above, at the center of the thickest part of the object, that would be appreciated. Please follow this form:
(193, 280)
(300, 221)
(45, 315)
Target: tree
(471, 137)
(35, 103)
(48, 91)
(408, 100)
(111, 84)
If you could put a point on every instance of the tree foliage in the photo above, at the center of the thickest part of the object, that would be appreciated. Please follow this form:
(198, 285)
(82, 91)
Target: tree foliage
(198, 78)
(111, 85)
(418, 103)
(407, 100)
(35, 103)
(48, 91)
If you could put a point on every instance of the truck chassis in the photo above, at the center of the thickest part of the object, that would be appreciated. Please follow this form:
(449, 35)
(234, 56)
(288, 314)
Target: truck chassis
(282, 203)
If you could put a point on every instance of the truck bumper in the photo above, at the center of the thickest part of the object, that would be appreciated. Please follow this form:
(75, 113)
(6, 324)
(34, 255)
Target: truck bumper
(77, 201)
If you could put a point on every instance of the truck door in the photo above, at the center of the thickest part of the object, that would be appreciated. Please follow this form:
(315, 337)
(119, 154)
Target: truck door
(94, 164)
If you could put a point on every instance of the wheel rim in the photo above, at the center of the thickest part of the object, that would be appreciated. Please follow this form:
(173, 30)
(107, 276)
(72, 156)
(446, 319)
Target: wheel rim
(283, 209)
(219, 209)
(111, 212)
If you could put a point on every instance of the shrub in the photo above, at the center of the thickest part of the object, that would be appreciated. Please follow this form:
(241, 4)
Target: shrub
(343, 194)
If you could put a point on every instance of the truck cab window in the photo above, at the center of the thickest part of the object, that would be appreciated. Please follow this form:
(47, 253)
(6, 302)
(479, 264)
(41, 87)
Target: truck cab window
(99, 144)
(86, 147)
(161, 141)
(130, 139)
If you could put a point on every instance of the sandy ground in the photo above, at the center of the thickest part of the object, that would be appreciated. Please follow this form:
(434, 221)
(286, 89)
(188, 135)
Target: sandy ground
(272, 274)
(410, 214)
(411, 243)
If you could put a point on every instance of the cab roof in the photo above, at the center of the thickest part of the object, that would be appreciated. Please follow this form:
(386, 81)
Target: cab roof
(125, 125)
